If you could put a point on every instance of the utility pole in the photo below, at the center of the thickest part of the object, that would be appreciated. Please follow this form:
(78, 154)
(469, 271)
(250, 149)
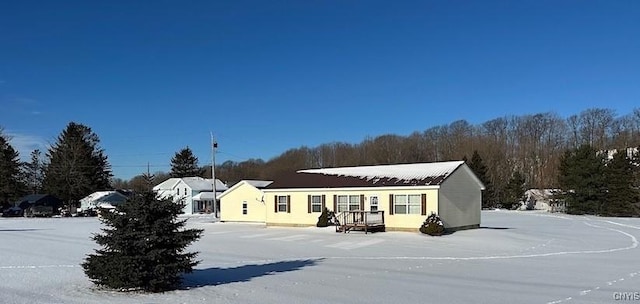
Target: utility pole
(214, 146)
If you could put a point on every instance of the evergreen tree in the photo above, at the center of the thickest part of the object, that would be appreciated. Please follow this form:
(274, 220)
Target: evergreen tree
(621, 195)
(581, 177)
(77, 165)
(143, 246)
(514, 190)
(480, 169)
(34, 172)
(185, 164)
(11, 179)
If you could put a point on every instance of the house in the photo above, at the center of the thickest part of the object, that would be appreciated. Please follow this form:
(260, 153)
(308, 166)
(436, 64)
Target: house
(195, 192)
(403, 195)
(244, 202)
(32, 202)
(543, 199)
(102, 199)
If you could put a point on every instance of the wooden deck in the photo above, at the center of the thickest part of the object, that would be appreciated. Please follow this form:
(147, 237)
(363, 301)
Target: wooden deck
(367, 221)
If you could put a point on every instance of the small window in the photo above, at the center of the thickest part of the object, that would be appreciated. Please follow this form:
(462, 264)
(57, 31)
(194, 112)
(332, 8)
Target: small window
(373, 203)
(316, 203)
(185, 191)
(244, 208)
(282, 203)
(178, 189)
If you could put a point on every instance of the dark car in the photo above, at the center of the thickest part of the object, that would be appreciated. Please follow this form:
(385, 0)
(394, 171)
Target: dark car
(12, 212)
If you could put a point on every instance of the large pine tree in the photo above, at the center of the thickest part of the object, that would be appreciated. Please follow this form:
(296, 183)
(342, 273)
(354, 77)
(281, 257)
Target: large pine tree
(480, 169)
(185, 164)
(77, 165)
(11, 177)
(143, 246)
(34, 172)
(621, 195)
(581, 177)
(514, 190)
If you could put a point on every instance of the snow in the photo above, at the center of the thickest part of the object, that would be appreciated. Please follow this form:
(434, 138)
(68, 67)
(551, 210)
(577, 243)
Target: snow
(516, 257)
(417, 171)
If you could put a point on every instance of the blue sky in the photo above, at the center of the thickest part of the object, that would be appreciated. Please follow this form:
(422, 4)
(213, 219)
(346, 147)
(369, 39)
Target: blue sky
(151, 77)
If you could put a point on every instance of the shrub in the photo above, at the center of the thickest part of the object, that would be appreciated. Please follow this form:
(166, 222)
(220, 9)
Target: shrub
(432, 225)
(323, 219)
(142, 246)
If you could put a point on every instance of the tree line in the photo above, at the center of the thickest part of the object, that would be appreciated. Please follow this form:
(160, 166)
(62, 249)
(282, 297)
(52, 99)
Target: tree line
(509, 154)
(514, 152)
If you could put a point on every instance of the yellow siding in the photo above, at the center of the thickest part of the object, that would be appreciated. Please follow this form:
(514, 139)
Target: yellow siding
(299, 215)
(231, 205)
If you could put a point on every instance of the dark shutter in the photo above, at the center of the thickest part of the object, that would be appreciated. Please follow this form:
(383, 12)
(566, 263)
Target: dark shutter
(308, 203)
(361, 202)
(424, 204)
(275, 200)
(335, 203)
(324, 204)
(288, 203)
(390, 204)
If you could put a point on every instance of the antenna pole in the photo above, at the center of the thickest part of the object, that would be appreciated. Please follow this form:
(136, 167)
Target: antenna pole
(214, 146)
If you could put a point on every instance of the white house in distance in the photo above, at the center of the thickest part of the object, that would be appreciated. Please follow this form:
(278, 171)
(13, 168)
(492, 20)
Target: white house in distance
(102, 199)
(543, 199)
(244, 202)
(195, 192)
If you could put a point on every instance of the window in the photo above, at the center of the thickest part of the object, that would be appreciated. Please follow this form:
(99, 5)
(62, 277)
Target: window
(373, 202)
(282, 202)
(178, 189)
(407, 204)
(244, 207)
(316, 203)
(185, 191)
(348, 203)
(354, 202)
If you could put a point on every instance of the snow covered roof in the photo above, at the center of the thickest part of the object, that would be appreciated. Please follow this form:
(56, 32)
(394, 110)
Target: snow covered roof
(203, 196)
(419, 174)
(195, 183)
(541, 194)
(258, 183)
(101, 196)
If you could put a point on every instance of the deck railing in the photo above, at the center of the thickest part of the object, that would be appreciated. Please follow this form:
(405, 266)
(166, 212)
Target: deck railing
(359, 219)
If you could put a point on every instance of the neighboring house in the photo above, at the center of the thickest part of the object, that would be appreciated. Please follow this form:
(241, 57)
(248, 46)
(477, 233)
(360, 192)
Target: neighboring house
(195, 192)
(244, 202)
(543, 199)
(28, 202)
(406, 193)
(102, 199)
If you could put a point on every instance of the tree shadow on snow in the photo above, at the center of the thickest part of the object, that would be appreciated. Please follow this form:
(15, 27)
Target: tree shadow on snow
(221, 276)
(21, 229)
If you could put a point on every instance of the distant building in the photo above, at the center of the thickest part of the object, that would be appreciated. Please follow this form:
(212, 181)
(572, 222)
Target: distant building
(543, 199)
(195, 192)
(102, 199)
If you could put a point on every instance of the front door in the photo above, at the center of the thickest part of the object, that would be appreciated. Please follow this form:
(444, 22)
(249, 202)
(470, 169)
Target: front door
(373, 203)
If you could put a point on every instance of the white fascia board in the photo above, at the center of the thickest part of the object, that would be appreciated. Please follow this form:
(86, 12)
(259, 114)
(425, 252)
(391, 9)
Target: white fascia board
(393, 188)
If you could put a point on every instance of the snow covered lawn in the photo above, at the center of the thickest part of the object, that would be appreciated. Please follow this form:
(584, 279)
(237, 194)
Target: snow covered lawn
(517, 257)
